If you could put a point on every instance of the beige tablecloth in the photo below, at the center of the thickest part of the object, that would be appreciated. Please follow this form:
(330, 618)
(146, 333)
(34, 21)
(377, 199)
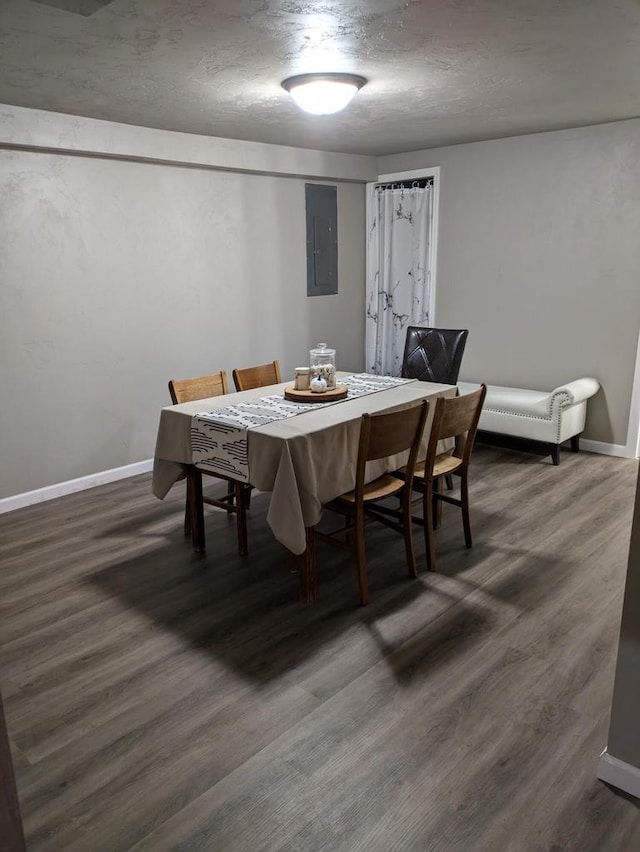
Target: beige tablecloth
(304, 461)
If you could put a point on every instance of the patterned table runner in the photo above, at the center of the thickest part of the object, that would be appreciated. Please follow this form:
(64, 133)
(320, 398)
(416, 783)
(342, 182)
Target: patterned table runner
(219, 438)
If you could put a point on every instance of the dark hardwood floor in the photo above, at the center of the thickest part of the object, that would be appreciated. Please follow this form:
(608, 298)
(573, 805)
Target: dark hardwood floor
(161, 700)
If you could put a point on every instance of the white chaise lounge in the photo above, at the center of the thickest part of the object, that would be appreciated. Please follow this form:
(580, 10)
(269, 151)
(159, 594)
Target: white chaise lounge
(550, 418)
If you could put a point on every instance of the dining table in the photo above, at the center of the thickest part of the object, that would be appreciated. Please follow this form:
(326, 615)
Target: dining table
(305, 456)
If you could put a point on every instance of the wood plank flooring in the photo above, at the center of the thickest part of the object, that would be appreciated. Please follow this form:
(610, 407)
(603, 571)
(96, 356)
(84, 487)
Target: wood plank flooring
(161, 700)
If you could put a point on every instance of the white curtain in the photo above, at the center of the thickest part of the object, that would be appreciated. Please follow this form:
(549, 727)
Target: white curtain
(399, 227)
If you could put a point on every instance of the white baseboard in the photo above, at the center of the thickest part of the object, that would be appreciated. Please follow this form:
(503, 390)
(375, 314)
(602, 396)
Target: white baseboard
(50, 492)
(622, 775)
(607, 449)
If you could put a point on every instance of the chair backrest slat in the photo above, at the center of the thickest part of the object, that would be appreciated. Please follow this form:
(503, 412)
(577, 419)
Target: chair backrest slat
(456, 417)
(458, 414)
(201, 387)
(257, 377)
(390, 433)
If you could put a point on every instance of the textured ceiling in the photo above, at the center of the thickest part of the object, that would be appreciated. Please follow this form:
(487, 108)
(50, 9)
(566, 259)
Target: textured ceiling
(440, 71)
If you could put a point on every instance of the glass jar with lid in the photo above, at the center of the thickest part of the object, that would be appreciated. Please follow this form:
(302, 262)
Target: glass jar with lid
(322, 361)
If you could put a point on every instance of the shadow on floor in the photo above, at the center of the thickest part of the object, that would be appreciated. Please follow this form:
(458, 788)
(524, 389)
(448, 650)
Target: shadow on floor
(245, 613)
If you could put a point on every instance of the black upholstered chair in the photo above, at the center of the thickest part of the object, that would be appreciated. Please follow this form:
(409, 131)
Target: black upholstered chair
(433, 354)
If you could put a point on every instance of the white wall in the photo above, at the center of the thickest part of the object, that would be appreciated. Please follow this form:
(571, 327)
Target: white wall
(130, 255)
(117, 274)
(539, 256)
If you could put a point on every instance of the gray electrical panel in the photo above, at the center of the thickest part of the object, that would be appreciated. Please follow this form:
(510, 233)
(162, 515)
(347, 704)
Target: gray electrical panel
(322, 239)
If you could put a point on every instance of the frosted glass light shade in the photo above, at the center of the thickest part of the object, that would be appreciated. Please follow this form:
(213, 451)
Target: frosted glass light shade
(323, 94)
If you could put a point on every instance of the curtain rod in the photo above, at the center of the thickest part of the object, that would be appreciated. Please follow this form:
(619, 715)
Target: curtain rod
(412, 183)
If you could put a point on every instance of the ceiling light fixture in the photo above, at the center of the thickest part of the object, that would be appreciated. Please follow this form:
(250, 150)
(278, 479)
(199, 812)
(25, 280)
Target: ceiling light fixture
(323, 94)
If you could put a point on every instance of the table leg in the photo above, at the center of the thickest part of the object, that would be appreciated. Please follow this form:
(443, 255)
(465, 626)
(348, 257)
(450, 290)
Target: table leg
(196, 508)
(307, 570)
(241, 496)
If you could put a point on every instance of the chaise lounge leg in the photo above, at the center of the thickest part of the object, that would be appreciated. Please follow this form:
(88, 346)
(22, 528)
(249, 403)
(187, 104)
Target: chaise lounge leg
(575, 444)
(555, 453)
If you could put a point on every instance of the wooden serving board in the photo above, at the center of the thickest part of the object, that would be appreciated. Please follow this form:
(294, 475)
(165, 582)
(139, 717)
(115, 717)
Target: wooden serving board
(339, 392)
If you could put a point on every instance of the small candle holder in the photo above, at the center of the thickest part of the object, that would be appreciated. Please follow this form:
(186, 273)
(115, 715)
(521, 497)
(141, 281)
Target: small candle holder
(302, 378)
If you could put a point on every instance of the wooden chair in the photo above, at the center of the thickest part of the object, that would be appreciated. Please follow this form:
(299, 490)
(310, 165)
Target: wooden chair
(454, 417)
(434, 355)
(381, 435)
(257, 377)
(236, 499)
